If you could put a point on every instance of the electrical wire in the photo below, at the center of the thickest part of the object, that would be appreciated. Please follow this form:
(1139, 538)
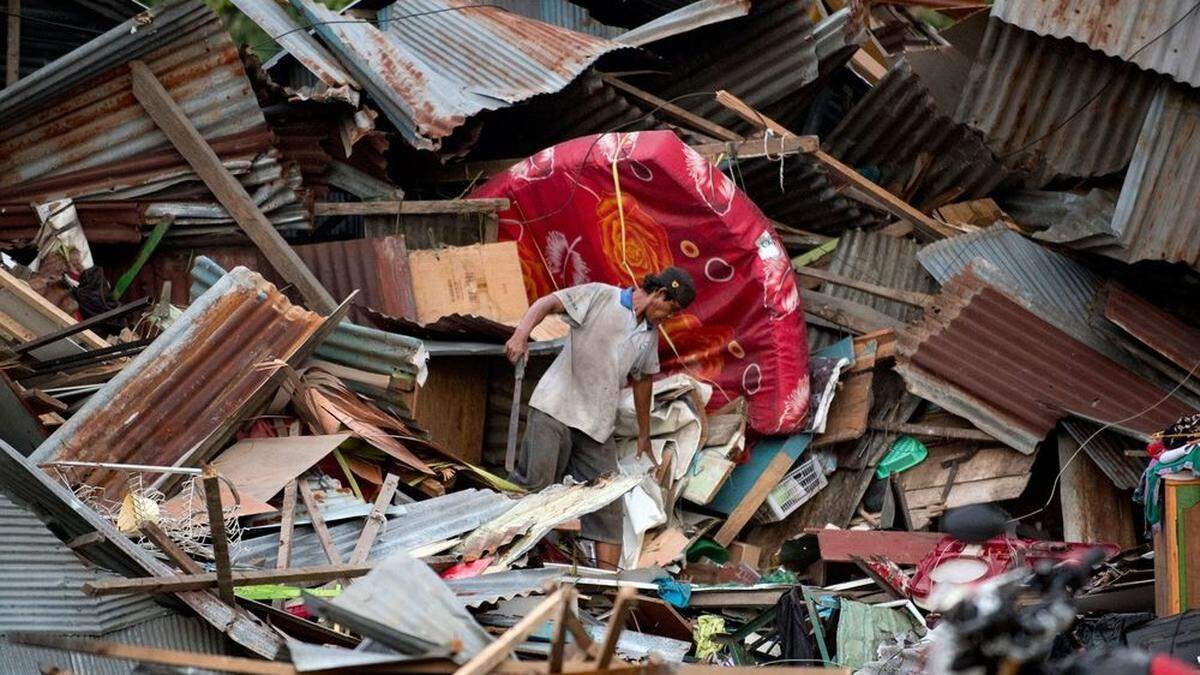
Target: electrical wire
(1111, 80)
(57, 24)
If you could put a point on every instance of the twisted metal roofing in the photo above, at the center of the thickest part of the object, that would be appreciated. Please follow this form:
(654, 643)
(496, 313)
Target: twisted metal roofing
(1127, 29)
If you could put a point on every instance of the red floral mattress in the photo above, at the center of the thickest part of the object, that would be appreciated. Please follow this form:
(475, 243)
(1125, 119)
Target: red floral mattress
(744, 333)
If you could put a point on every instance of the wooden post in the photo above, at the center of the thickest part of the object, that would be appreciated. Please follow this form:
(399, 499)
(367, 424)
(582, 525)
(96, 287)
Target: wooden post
(1093, 509)
(626, 598)
(691, 119)
(12, 63)
(287, 526)
(170, 118)
(216, 529)
(559, 642)
(362, 548)
(318, 523)
(495, 653)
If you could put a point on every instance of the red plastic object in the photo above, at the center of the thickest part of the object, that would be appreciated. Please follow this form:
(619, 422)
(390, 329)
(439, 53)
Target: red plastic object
(466, 570)
(745, 331)
(956, 562)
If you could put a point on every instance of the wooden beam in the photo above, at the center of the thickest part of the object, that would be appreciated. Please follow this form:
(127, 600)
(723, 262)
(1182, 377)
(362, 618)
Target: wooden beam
(559, 642)
(626, 598)
(32, 312)
(689, 118)
(287, 526)
(907, 297)
(931, 431)
(752, 148)
(853, 316)
(867, 67)
(391, 208)
(166, 657)
(374, 520)
(216, 532)
(495, 653)
(174, 123)
(1093, 509)
(195, 582)
(12, 61)
(745, 510)
(893, 204)
(170, 549)
(318, 522)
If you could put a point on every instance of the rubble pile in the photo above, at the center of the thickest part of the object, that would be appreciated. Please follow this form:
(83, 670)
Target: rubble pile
(296, 297)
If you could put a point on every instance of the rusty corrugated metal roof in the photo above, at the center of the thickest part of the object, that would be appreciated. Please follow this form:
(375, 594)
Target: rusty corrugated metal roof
(804, 196)
(878, 259)
(1153, 326)
(1126, 29)
(984, 356)
(900, 129)
(377, 267)
(430, 69)
(187, 383)
(1024, 88)
(93, 141)
(1157, 216)
(1107, 450)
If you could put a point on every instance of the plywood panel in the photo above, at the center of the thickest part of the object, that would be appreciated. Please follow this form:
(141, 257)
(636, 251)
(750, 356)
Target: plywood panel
(452, 405)
(483, 280)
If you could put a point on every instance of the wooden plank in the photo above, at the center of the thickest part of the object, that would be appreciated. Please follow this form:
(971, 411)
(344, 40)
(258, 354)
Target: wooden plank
(902, 548)
(558, 643)
(658, 617)
(12, 58)
(1093, 509)
(960, 473)
(743, 110)
(80, 326)
(170, 549)
(867, 67)
(495, 653)
(626, 598)
(195, 582)
(391, 208)
(216, 533)
(452, 406)
(758, 147)
(907, 297)
(853, 316)
(318, 522)
(38, 315)
(174, 123)
(374, 521)
(287, 526)
(770, 477)
(167, 657)
(931, 431)
(849, 412)
(691, 119)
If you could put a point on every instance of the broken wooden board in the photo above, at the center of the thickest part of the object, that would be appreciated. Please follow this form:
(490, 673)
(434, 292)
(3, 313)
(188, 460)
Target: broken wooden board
(658, 617)
(25, 315)
(977, 213)
(1093, 509)
(750, 483)
(960, 473)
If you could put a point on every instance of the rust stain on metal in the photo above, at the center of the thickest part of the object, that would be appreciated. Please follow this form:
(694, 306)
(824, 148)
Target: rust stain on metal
(187, 384)
(377, 267)
(984, 356)
(1153, 327)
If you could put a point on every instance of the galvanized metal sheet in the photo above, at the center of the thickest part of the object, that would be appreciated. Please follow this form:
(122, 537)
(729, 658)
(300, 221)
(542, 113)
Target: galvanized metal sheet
(1160, 35)
(900, 130)
(187, 383)
(1107, 450)
(1062, 217)
(432, 64)
(878, 259)
(983, 355)
(1157, 216)
(1153, 326)
(1044, 103)
(684, 19)
(486, 589)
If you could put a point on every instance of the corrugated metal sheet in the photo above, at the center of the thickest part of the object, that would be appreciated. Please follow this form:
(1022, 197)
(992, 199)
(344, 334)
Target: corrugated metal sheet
(684, 19)
(1158, 213)
(490, 588)
(68, 518)
(452, 327)
(1063, 217)
(41, 579)
(376, 267)
(1126, 29)
(1107, 450)
(50, 30)
(416, 524)
(429, 69)
(878, 259)
(805, 198)
(766, 59)
(93, 141)
(561, 13)
(361, 347)
(984, 356)
(1025, 87)
(403, 593)
(277, 23)
(899, 129)
(187, 383)
(169, 632)
(1153, 326)
(1058, 289)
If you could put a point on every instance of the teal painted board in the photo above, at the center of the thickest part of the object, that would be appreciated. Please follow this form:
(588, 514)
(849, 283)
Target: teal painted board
(745, 475)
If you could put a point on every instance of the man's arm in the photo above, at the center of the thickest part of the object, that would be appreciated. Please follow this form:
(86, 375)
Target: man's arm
(642, 390)
(518, 345)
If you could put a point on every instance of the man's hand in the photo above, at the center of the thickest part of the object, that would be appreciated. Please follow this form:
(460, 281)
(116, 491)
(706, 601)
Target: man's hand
(517, 347)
